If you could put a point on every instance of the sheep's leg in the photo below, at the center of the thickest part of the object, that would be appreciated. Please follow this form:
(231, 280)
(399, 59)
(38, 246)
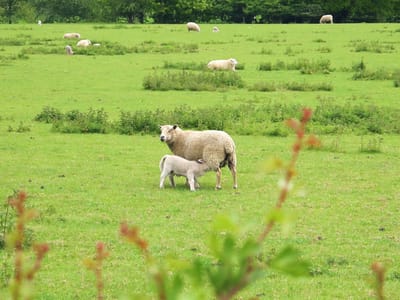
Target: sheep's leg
(234, 176)
(191, 181)
(171, 180)
(218, 186)
(162, 178)
(196, 183)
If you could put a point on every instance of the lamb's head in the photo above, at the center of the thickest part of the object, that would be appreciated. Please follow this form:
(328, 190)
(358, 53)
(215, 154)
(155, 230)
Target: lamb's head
(168, 133)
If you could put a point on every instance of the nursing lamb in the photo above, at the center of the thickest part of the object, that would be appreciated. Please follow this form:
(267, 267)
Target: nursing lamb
(171, 165)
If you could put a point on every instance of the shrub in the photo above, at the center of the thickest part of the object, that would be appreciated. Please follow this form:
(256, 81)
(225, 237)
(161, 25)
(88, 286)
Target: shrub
(267, 66)
(247, 119)
(194, 66)
(49, 115)
(202, 81)
(396, 78)
(94, 121)
(372, 46)
(291, 86)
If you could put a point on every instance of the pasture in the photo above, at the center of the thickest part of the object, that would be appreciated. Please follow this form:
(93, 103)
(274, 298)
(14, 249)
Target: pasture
(345, 200)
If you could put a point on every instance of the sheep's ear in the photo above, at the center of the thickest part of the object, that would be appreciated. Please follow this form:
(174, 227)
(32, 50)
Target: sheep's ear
(175, 126)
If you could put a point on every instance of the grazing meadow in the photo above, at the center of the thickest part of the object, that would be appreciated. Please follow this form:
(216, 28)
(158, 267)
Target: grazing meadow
(79, 135)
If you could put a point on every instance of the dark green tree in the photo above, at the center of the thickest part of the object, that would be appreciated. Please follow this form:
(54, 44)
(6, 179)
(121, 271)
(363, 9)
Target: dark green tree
(10, 7)
(132, 10)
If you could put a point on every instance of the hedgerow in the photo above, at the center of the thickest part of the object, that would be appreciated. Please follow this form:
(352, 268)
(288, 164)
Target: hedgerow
(245, 119)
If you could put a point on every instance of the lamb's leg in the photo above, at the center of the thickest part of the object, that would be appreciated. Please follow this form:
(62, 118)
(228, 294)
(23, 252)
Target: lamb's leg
(196, 183)
(191, 184)
(218, 185)
(171, 180)
(162, 178)
(191, 181)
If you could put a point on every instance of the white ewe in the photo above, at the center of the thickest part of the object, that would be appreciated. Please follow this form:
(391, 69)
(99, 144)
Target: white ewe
(192, 26)
(326, 19)
(215, 147)
(171, 165)
(223, 64)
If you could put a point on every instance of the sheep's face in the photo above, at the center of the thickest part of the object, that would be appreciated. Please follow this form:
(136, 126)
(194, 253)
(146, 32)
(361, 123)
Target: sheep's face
(233, 61)
(167, 132)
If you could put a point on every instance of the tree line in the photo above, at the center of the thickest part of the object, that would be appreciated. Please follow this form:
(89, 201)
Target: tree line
(202, 11)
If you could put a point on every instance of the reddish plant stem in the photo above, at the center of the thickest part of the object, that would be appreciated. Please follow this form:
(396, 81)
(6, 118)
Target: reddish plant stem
(379, 271)
(23, 216)
(299, 128)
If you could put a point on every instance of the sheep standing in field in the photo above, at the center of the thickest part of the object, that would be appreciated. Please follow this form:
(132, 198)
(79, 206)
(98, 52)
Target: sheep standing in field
(326, 19)
(192, 26)
(68, 50)
(215, 147)
(84, 43)
(215, 29)
(72, 35)
(223, 64)
(171, 165)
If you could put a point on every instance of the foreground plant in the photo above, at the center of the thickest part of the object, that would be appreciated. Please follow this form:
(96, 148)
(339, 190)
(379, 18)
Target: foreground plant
(379, 271)
(235, 262)
(21, 283)
(96, 265)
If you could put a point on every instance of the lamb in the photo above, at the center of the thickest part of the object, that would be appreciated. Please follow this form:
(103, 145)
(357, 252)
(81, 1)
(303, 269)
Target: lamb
(326, 19)
(72, 35)
(68, 50)
(171, 165)
(215, 29)
(215, 147)
(192, 26)
(223, 64)
(84, 43)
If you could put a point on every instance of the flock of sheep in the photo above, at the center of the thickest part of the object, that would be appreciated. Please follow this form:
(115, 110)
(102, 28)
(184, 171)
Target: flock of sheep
(81, 43)
(195, 152)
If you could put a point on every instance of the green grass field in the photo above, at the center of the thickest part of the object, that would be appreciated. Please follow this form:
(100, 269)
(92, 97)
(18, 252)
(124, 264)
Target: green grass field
(345, 200)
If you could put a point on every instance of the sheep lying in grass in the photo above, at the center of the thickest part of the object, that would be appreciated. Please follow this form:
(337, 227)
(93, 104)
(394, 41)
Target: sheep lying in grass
(223, 64)
(171, 165)
(326, 19)
(215, 147)
(72, 35)
(84, 43)
(192, 26)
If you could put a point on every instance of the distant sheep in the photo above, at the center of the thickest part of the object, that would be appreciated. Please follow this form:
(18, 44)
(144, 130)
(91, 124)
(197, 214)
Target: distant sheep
(215, 29)
(223, 64)
(192, 26)
(171, 165)
(68, 50)
(326, 19)
(215, 147)
(84, 43)
(72, 35)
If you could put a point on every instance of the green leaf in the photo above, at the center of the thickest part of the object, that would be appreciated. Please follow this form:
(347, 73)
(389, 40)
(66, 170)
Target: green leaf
(225, 224)
(289, 262)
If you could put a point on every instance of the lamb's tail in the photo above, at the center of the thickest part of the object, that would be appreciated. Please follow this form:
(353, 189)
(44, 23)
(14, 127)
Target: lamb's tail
(162, 161)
